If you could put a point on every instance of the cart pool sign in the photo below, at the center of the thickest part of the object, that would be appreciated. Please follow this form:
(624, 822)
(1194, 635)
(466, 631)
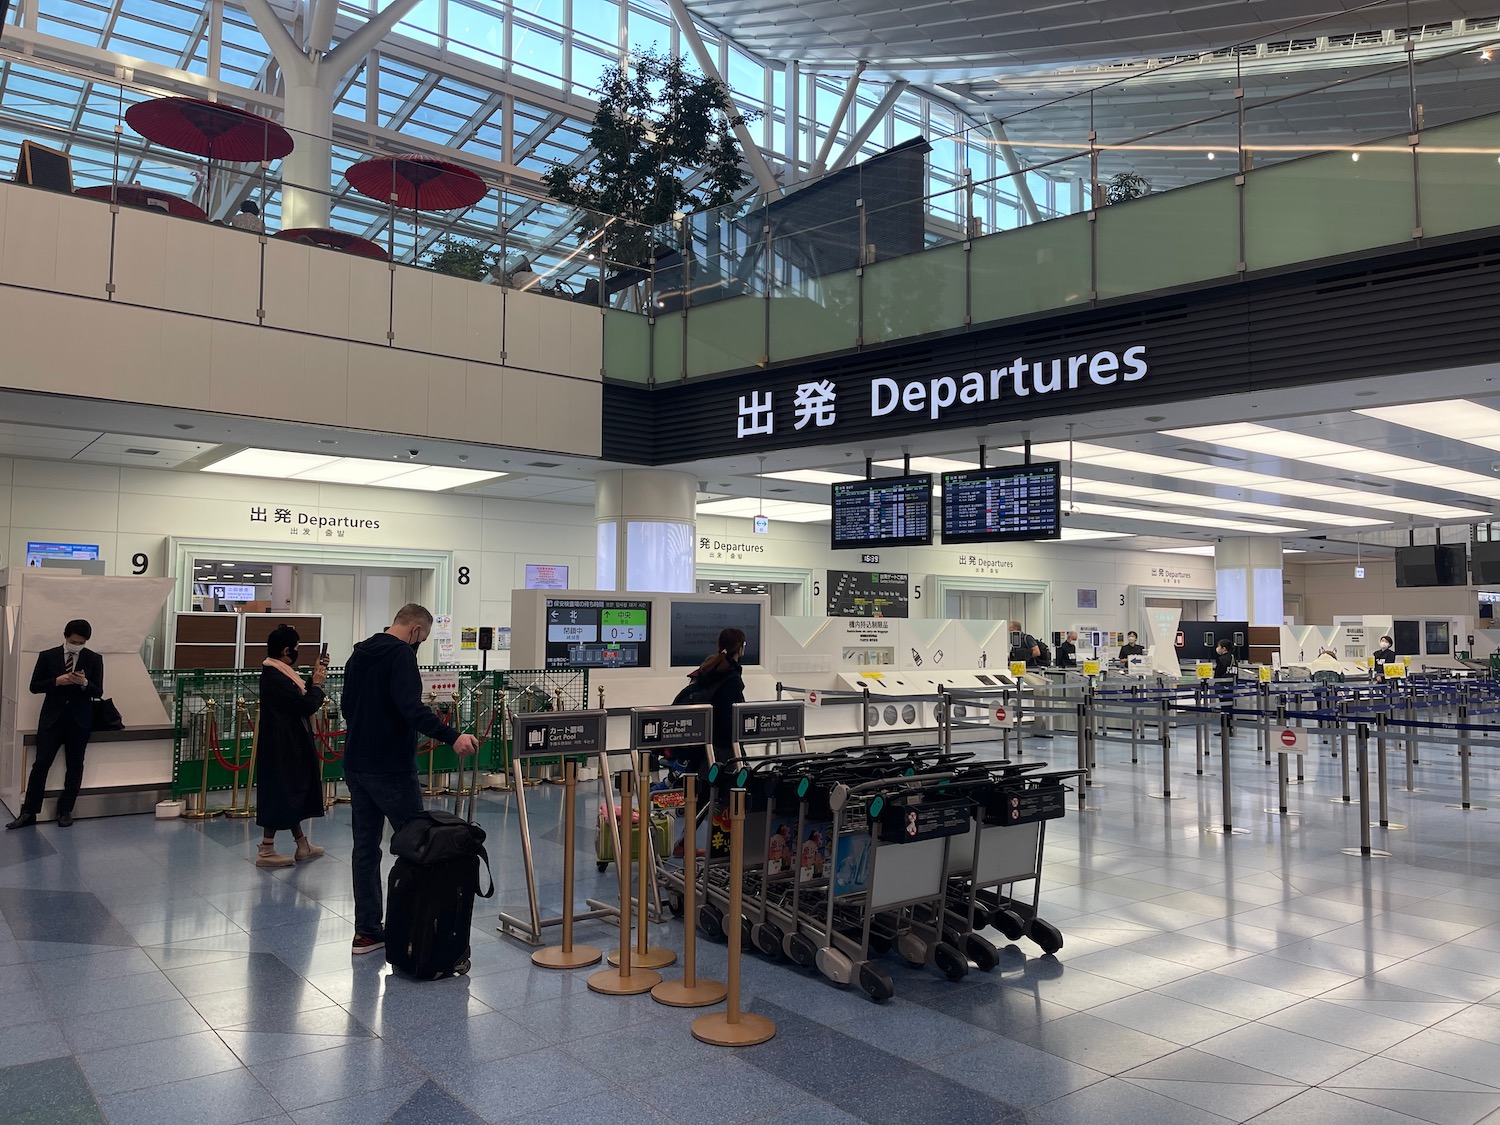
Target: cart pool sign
(1002, 716)
(671, 726)
(564, 732)
(1291, 740)
(768, 722)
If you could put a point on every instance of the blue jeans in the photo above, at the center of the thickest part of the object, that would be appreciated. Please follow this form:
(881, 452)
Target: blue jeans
(374, 799)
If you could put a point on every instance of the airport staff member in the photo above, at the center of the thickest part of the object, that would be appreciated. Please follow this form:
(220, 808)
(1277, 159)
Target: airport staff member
(384, 713)
(71, 677)
(1067, 650)
(1384, 654)
(1223, 661)
(1131, 647)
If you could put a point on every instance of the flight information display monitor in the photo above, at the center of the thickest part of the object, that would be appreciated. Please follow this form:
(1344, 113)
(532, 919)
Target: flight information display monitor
(598, 633)
(890, 512)
(1017, 502)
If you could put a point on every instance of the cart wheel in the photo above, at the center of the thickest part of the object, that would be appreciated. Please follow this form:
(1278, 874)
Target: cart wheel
(1009, 923)
(1045, 934)
(877, 984)
(768, 938)
(880, 945)
(802, 950)
(949, 961)
(675, 904)
(984, 955)
(912, 949)
(603, 866)
(711, 922)
(747, 941)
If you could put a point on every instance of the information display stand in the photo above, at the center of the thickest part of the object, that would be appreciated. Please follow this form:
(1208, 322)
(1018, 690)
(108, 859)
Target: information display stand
(770, 724)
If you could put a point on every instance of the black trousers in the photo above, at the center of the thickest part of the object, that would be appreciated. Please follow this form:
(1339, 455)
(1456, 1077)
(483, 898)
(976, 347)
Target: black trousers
(73, 740)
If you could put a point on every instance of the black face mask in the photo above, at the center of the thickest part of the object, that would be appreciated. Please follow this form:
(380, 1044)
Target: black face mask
(292, 655)
(415, 645)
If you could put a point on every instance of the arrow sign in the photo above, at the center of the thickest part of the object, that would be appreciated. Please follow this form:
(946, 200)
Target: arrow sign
(1002, 716)
(1293, 740)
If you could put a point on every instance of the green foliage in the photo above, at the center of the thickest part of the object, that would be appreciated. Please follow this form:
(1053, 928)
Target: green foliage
(1126, 186)
(658, 124)
(461, 257)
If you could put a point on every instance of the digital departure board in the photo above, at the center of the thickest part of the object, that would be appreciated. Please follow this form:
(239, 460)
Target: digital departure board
(890, 512)
(598, 633)
(999, 505)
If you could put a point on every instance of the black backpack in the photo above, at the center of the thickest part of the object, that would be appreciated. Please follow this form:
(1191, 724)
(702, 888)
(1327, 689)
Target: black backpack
(435, 836)
(430, 894)
(1043, 660)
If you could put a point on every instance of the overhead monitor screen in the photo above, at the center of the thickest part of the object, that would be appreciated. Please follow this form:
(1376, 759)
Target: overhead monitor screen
(1018, 502)
(598, 633)
(891, 512)
(696, 626)
(1485, 559)
(1432, 565)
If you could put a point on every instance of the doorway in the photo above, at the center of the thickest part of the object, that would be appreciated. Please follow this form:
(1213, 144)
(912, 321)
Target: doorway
(977, 605)
(355, 602)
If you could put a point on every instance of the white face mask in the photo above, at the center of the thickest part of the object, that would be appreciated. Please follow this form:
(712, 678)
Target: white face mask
(70, 647)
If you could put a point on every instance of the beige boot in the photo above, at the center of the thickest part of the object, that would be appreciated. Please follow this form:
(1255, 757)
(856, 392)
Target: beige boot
(306, 849)
(267, 856)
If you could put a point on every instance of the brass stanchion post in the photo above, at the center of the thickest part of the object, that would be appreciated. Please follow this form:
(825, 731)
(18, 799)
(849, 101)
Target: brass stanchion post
(624, 981)
(567, 955)
(247, 810)
(646, 956)
(234, 773)
(203, 812)
(732, 1027)
(689, 992)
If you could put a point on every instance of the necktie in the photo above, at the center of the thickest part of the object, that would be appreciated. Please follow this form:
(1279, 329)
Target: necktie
(67, 663)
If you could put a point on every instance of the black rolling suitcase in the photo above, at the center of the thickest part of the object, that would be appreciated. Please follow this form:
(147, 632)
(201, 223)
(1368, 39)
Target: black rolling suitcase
(430, 895)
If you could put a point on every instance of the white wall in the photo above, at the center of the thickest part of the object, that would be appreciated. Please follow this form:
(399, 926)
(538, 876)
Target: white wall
(203, 317)
(1330, 590)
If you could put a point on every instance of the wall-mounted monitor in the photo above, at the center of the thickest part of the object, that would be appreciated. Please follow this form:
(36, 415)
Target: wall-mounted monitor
(889, 512)
(546, 576)
(1018, 502)
(1432, 564)
(78, 552)
(1484, 559)
(598, 633)
(695, 629)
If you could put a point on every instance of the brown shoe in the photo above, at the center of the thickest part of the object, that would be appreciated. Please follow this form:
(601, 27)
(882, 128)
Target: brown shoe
(306, 849)
(267, 856)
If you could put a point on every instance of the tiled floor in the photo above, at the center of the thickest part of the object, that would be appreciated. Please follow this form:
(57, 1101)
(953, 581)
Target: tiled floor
(149, 973)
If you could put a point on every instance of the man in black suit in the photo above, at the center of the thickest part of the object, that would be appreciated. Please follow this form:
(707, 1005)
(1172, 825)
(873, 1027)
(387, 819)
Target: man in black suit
(71, 677)
(1067, 650)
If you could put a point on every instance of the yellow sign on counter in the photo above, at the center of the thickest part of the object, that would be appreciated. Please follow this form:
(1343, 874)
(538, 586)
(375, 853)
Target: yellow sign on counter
(1205, 671)
(1090, 667)
(1265, 674)
(1018, 667)
(1395, 670)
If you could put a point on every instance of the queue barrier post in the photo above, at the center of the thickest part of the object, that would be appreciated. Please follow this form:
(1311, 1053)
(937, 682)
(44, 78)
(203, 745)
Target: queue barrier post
(567, 955)
(1463, 761)
(1343, 750)
(732, 1027)
(625, 979)
(690, 991)
(1362, 748)
(1165, 730)
(646, 956)
(1226, 827)
(1381, 773)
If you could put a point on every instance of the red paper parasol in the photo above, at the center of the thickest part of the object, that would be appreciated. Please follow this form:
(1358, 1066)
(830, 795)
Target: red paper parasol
(133, 195)
(211, 129)
(335, 240)
(423, 183)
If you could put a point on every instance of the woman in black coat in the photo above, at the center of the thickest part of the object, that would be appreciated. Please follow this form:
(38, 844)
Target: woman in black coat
(720, 680)
(289, 782)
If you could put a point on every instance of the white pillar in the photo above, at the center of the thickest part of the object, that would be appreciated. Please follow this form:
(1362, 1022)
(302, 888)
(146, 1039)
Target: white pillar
(1247, 573)
(646, 520)
(307, 173)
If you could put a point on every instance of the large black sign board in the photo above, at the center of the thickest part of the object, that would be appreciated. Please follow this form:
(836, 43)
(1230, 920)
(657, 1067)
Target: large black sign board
(653, 727)
(768, 722)
(558, 732)
(866, 593)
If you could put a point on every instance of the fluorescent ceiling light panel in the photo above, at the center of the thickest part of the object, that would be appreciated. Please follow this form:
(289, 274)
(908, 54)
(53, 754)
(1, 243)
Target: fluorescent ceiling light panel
(267, 463)
(1207, 552)
(747, 507)
(1189, 518)
(1456, 418)
(1079, 534)
(932, 465)
(436, 478)
(812, 476)
(356, 470)
(1368, 461)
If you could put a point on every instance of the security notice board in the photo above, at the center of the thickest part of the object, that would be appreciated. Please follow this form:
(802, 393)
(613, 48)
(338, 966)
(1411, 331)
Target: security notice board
(867, 593)
(598, 633)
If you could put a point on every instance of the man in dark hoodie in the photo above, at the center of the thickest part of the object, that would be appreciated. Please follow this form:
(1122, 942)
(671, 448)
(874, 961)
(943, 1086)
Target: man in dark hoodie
(384, 712)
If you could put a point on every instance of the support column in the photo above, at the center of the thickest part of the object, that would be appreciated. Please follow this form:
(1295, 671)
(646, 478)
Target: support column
(646, 520)
(307, 171)
(1247, 573)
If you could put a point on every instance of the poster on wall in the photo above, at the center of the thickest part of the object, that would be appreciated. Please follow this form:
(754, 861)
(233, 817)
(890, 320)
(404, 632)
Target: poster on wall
(468, 638)
(80, 552)
(442, 636)
(865, 593)
(1088, 599)
(545, 576)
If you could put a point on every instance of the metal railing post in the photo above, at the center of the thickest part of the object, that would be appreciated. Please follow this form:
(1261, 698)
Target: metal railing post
(1362, 745)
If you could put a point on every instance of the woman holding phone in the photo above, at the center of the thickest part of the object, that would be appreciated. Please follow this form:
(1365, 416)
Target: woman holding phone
(289, 782)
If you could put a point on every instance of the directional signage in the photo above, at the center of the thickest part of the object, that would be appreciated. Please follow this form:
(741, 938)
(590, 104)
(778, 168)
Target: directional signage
(1291, 740)
(1090, 667)
(1205, 670)
(814, 698)
(768, 722)
(558, 732)
(1002, 716)
(653, 727)
(1018, 667)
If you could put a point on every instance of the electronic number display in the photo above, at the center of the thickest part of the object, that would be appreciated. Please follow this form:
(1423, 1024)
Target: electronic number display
(889, 512)
(598, 633)
(1017, 502)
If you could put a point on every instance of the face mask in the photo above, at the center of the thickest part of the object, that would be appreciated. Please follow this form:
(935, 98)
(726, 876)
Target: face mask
(69, 647)
(292, 653)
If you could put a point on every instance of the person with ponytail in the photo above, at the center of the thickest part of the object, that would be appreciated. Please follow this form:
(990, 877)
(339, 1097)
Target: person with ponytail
(719, 681)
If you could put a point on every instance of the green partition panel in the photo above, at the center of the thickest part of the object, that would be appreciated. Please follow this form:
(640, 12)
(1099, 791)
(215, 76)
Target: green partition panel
(1168, 239)
(726, 335)
(666, 348)
(915, 294)
(817, 316)
(1459, 178)
(1032, 269)
(1327, 205)
(627, 346)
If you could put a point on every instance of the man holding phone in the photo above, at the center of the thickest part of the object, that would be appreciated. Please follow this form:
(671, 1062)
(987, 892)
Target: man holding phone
(70, 677)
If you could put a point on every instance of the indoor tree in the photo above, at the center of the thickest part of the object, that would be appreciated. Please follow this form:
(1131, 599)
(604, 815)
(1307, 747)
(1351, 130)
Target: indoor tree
(660, 124)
